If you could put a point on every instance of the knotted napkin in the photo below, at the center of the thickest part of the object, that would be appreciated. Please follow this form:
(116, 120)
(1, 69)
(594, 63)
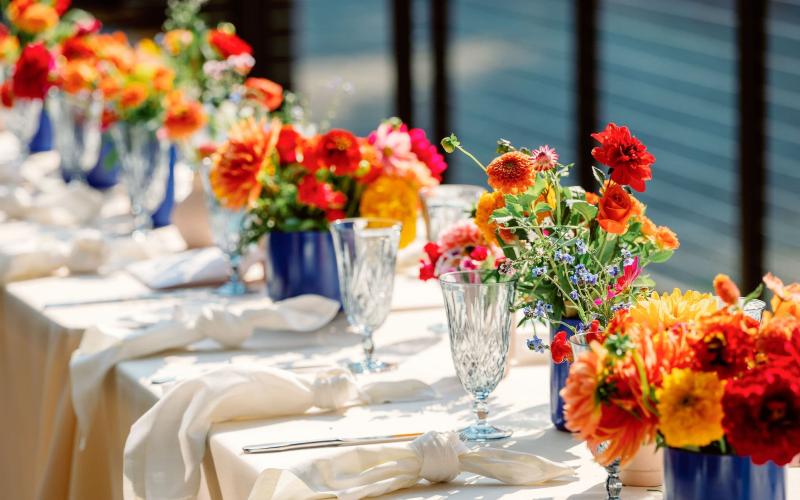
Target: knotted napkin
(103, 346)
(378, 470)
(165, 447)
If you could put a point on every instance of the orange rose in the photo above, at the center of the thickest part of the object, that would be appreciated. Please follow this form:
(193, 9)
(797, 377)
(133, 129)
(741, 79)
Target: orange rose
(616, 207)
(592, 199)
(726, 289)
(133, 95)
(267, 92)
(32, 17)
(184, 117)
(667, 239)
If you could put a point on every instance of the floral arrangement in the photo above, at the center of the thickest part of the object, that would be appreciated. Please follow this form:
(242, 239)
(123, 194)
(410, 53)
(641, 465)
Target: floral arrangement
(575, 253)
(290, 181)
(461, 247)
(684, 371)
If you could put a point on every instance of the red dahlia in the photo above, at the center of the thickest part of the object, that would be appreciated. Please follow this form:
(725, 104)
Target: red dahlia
(290, 142)
(724, 344)
(762, 413)
(32, 73)
(339, 151)
(625, 155)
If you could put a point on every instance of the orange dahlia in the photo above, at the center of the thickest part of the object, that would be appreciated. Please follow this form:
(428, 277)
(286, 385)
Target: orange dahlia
(726, 289)
(184, 117)
(666, 238)
(238, 163)
(512, 172)
(487, 204)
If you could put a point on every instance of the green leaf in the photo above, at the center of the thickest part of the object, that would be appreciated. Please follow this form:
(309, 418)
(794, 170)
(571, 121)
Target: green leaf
(587, 211)
(754, 294)
(504, 146)
(449, 144)
(599, 175)
(661, 256)
(542, 207)
(644, 282)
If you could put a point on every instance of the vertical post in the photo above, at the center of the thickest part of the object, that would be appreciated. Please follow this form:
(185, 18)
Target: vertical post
(267, 26)
(586, 91)
(401, 28)
(440, 38)
(752, 42)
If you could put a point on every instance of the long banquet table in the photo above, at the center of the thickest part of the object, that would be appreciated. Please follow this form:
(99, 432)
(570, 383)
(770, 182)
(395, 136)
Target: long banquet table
(40, 458)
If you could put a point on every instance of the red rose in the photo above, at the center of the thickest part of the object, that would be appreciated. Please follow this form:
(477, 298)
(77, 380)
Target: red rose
(560, 348)
(61, 6)
(266, 92)
(626, 155)
(76, 47)
(6, 95)
(32, 73)
(228, 44)
(289, 142)
(339, 151)
(762, 413)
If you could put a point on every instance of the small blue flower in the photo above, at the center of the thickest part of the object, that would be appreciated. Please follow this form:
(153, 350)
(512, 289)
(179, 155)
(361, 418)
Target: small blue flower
(591, 278)
(569, 259)
(538, 271)
(613, 271)
(573, 295)
(627, 257)
(536, 344)
(574, 279)
(528, 312)
(580, 247)
(557, 255)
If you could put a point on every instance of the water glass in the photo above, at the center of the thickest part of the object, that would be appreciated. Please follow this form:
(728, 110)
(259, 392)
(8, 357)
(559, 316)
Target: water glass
(227, 226)
(479, 316)
(580, 344)
(22, 120)
(77, 121)
(144, 157)
(366, 254)
(443, 206)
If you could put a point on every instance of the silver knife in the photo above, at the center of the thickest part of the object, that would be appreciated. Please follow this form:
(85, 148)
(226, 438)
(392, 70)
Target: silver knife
(328, 443)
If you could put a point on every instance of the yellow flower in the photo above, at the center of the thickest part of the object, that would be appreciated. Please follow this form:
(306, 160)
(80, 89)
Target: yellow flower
(30, 17)
(661, 312)
(392, 198)
(177, 40)
(487, 204)
(690, 408)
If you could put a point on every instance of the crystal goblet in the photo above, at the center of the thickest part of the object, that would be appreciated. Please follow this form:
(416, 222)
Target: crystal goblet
(144, 155)
(227, 226)
(366, 255)
(22, 120)
(580, 344)
(444, 205)
(479, 318)
(77, 121)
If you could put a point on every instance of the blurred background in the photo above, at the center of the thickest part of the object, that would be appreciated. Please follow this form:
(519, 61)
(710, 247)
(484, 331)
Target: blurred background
(711, 86)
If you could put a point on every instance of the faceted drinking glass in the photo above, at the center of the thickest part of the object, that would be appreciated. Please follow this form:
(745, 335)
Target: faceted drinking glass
(227, 226)
(444, 205)
(76, 123)
(580, 345)
(144, 156)
(366, 254)
(479, 317)
(22, 120)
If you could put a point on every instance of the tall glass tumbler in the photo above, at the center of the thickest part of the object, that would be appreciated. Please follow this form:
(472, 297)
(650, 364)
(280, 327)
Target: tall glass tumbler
(366, 254)
(77, 122)
(144, 155)
(443, 206)
(479, 316)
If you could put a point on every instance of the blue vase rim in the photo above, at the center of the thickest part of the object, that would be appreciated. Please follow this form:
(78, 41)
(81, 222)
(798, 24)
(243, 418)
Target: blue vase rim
(721, 456)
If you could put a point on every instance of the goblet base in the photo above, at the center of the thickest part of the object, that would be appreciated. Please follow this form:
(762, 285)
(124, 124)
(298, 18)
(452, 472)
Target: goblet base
(232, 289)
(370, 366)
(483, 432)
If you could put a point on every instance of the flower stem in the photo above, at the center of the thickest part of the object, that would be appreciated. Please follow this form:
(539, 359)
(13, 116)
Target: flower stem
(472, 157)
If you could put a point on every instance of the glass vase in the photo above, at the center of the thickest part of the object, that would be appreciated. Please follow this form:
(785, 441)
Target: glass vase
(77, 122)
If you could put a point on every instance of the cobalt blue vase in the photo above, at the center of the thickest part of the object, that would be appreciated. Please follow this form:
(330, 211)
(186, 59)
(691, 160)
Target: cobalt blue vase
(558, 376)
(690, 475)
(302, 262)
(163, 214)
(43, 140)
(105, 174)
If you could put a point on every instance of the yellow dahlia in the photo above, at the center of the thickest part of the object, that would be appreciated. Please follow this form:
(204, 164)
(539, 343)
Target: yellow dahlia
(690, 407)
(661, 312)
(392, 198)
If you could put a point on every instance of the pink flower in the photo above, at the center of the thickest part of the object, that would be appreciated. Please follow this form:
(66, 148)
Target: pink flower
(461, 234)
(427, 153)
(393, 150)
(480, 253)
(629, 275)
(544, 158)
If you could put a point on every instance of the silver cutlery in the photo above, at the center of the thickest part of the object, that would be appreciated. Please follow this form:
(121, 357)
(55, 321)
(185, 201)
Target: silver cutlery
(328, 443)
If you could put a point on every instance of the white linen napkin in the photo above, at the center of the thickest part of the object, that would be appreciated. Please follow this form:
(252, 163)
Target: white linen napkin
(103, 346)
(372, 471)
(165, 447)
(200, 266)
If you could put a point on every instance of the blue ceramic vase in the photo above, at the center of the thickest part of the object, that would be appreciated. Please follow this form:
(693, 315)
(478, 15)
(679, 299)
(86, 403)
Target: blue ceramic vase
(698, 476)
(105, 174)
(300, 263)
(163, 214)
(43, 140)
(558, 376)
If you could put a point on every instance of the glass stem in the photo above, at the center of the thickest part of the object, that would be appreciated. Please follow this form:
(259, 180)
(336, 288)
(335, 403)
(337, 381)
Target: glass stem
(368, 345)
(481, 410)
(235, 260)
(613, 482)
